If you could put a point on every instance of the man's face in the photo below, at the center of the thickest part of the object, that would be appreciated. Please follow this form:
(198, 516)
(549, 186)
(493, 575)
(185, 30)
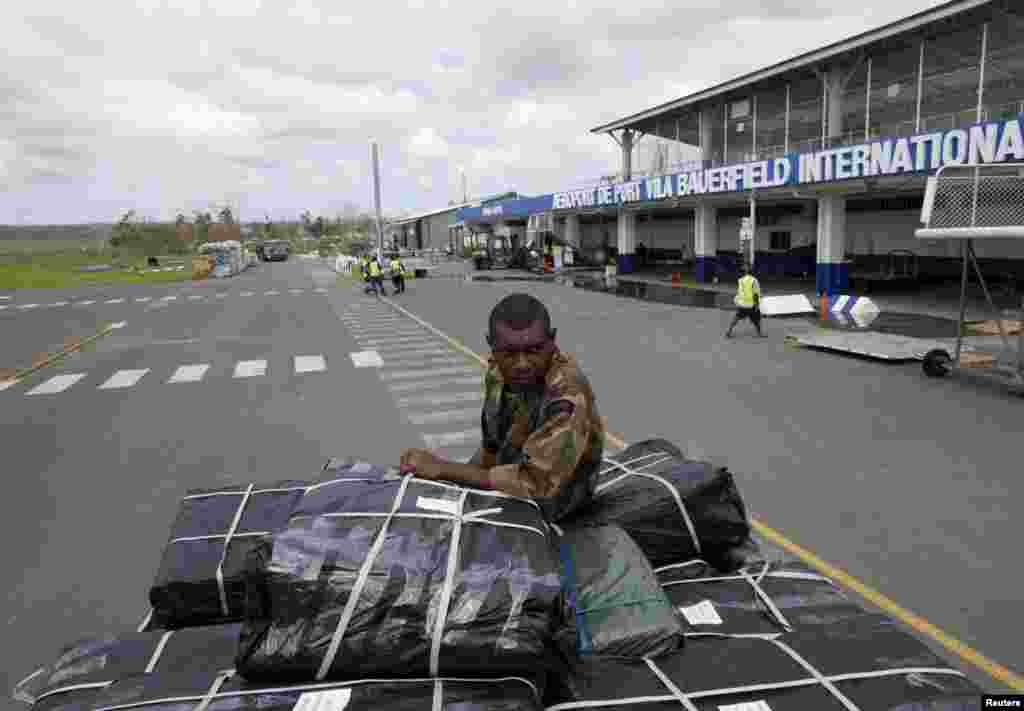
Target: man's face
(523, 355)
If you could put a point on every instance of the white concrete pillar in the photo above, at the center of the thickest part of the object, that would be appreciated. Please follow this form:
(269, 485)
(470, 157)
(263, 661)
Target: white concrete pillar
(572, 231)
(705, 241)
(626, 228)
(834, 82)
(706, 125)
(627, 155)
(832, 272)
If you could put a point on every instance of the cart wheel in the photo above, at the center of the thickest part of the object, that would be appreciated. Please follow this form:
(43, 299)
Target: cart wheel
(937, 363)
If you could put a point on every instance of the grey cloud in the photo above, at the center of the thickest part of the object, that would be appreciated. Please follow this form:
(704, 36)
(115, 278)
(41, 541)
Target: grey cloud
(72, 38)
(539, 62)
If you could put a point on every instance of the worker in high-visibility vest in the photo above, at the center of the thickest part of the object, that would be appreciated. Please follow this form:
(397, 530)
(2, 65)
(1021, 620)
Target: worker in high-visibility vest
(748, 301)
(375, 277)
(397, 274)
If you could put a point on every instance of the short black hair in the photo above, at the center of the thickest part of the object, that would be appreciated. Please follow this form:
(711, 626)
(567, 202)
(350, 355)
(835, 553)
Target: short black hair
(519, 311)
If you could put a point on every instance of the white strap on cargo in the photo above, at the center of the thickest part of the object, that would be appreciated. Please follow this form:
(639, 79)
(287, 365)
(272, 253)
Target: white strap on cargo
(438, 704)
(146, 621)
(781, 574)
(20, 694)
(214, 688)
(357, 588)
(687, 564)
(224, 554)
(74, 687)
(616, 464)
(765, 598)
(449, 585)
(158, 651)
(472, 518)
(821, 678)
(671, 489)
(242, 493)
(676, 691)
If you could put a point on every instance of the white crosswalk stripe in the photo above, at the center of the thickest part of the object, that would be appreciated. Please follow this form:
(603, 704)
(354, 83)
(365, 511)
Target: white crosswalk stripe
(296, 291)
(194, 297)
(124, 379)
(143, 299)
(309, 364)
(438, 417)
(189, 373)
(397, 340)
(271, 293)
(28, 306)
(59, 303)
(171, 297)
(432, 384)
(425, 362)
(3, 306)
(56, 384)
(246, 293)
(440, 399)
(86, 303)
(448, 439)
(410, 374)
(250, 368)
(221, 294)
(114, 301)
(423, 352)
(418, 345)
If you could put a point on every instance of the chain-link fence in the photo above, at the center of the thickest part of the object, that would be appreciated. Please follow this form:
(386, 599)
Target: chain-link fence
(978, 196)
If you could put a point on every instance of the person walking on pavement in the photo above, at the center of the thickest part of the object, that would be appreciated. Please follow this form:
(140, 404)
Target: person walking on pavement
(748, 302)
(397, 274)
(376, 277)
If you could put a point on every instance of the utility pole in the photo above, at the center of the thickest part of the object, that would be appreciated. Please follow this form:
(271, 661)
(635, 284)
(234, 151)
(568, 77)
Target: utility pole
(465, 193)
(376, 201)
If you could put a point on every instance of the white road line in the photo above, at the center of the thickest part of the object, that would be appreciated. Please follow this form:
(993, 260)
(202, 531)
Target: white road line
(4, 384)
(189, 373)
(58, 303)
(447, 439)
(143, 299)
(434, 417)
(5, 298)
(320, 290)
(194, 297)
(123, 379)
(170, 298)
(425, 362)
(296, 291)
(28, 306)
(114, 301)
(366, 359)
(56, 384)
(309, 364)
(386, 330)
(418, 354)
(271, 293)
(399, 348)
(85, 303)
(3, 306)
(441, 399)
(410, 374)
(250, 368)
(246, 293)
(221, 294)
(420, 341)
(431, 384)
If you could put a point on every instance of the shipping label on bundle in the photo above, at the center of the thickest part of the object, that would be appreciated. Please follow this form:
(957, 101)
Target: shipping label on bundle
(442, 505)
(703, 613)
(747, 706)
(331, 700)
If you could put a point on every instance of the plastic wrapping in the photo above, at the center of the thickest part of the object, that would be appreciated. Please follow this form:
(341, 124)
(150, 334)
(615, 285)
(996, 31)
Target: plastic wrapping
(674, 508)
(217, 693)
(378, 574)
(762, 598)
(616, 606)
(866, 664)
(200, 577)
(86, 667)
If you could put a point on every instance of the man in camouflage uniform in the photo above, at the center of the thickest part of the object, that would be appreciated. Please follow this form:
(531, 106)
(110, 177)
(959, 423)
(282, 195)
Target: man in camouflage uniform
(542, 436)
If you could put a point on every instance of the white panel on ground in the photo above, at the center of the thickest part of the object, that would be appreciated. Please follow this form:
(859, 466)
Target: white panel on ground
(786, 304)
(124, 379)
(309, 364)
(56, 384)
(250, 369)
(435, 418)
(189, 373)
(366, 359)
(449, 439)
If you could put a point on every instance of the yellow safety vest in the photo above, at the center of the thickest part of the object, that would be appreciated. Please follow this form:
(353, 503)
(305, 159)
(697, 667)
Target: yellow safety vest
(396, 266)
(374, 269)
(745, 291)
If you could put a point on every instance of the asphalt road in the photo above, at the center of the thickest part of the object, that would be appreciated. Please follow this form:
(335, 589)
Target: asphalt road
(903, 482)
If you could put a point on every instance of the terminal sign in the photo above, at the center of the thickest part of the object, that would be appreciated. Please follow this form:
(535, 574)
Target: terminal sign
(993, 142)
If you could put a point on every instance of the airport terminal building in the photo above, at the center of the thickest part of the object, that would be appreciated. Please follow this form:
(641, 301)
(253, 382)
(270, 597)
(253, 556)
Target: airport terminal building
(815, 165)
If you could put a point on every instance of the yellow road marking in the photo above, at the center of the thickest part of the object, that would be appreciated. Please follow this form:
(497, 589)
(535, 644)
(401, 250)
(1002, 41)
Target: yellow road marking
(919, 624)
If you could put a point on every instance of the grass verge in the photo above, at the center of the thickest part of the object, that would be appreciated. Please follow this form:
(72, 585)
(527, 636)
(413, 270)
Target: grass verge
(54, 271)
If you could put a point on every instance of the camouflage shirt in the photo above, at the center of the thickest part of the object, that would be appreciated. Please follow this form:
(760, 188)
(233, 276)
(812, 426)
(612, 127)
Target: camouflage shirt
(548, 441)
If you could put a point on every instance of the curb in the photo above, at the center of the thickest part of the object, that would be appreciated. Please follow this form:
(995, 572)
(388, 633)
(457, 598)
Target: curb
(68, 350)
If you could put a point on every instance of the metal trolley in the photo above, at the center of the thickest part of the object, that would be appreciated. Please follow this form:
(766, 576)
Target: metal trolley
(969, 202)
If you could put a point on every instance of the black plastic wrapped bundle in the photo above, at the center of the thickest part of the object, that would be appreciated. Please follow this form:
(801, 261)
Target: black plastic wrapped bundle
(763, 598)
(211, 692)
(855, 665)
(675, 509)
(616, 606)
(86, 667)
(200, 577)
(379, 574)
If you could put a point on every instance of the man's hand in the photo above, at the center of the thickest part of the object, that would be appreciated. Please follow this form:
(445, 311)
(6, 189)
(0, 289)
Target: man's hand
(422, 462)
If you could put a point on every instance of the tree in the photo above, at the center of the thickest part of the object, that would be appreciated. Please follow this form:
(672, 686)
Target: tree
(318, 227)
(202, 221)
(180, 220)
(225, 215)
(126, 231)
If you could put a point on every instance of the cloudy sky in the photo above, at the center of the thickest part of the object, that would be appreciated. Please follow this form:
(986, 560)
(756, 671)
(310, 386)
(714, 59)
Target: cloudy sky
(270, 105)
